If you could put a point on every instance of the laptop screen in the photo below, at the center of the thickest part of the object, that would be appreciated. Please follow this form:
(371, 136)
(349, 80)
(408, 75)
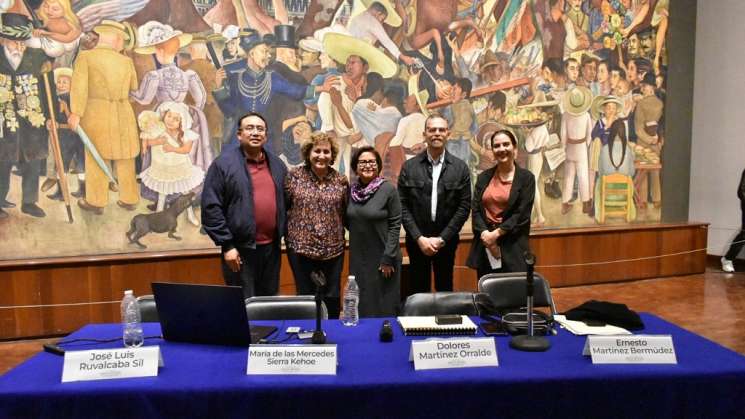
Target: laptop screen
(211, 314)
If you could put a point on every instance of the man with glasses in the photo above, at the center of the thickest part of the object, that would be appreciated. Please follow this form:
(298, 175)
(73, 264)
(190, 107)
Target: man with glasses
(243, 209)
(435, 191)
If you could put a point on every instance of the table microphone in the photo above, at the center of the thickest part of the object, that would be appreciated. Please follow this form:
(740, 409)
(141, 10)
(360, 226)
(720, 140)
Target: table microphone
(530, 342)
(319, 337)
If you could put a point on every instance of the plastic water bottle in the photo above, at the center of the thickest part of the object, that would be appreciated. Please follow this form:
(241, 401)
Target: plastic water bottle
(351, 314)
(131, 326)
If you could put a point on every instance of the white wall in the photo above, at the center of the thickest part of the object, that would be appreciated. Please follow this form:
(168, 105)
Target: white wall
(718, 146)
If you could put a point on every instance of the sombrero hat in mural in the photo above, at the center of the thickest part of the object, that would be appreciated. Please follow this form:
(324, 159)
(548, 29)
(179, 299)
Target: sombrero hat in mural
(153, 33)
(422, 96)
(315, 43)
(577, 100)
(340, 47)
(597, 105)
(393, 18)
(124, 28)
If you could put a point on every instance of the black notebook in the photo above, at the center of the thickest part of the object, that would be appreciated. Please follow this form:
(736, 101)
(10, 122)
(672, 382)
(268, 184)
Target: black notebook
(427, 326)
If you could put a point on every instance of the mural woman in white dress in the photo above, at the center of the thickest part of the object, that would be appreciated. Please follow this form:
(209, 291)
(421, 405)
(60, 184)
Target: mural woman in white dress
(169, 83)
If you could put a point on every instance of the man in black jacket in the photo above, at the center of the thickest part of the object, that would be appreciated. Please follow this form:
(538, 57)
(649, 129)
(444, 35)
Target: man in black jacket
(243, 209)
(739, 241)
(435, 190)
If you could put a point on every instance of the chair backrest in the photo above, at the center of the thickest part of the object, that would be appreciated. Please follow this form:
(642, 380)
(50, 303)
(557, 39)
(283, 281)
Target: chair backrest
(148, 310)
(283, 307)
(508, 290)
(431, 304)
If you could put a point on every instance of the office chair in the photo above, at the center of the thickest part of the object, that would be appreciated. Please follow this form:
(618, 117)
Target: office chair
(148, 310)
(507, 290)
(283, 307)
(445, 302)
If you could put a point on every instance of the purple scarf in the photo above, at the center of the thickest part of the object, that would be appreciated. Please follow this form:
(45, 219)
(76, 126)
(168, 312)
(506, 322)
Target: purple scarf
(361, 194)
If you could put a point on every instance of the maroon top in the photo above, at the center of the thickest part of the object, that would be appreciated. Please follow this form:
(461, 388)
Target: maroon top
(265, 200)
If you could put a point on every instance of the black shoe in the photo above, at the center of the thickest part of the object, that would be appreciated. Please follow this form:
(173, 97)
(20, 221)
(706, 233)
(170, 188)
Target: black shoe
(56, 196)
(3, 214)
(7, 204)
(80, 192)
(33, 210)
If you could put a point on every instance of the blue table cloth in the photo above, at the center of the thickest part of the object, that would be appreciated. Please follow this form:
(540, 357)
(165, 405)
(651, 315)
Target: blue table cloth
(376, 380)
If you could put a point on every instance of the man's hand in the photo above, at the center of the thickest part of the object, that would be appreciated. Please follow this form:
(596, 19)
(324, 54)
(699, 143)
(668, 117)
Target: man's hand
(387, 270)
(73, 120)
(233, 259)
(428, 245)
(328, 84)
(220, 77)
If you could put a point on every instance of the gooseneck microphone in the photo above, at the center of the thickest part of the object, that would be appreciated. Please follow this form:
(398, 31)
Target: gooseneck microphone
(529, 342)
(319, 337)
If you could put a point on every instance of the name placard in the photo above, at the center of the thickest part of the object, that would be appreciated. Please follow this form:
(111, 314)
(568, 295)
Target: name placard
(105, 364)
(631, 349)
(292, 360)
(454, 353)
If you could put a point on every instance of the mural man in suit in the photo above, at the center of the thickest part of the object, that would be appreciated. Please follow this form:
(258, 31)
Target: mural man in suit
(99, 103)
(23, 134)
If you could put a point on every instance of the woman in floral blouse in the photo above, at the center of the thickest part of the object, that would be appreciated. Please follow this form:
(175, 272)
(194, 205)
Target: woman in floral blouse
(316, 197)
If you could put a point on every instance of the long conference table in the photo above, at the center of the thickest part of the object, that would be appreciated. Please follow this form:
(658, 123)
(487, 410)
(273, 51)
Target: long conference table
(376, 379)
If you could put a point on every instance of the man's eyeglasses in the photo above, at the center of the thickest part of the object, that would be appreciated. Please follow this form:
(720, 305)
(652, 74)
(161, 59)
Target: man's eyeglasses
(249, 128)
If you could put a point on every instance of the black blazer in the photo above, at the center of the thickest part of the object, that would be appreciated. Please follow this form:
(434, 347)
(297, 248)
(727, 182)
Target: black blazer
(453, 197)
(515, 221)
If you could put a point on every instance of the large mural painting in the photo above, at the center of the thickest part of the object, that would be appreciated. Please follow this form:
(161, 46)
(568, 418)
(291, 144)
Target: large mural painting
(111, 111)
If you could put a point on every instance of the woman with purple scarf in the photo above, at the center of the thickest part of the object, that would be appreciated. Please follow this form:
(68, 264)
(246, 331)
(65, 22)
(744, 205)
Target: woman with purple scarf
(374, 223)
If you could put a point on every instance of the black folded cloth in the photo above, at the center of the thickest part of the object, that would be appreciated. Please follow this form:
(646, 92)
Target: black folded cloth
(606, 312)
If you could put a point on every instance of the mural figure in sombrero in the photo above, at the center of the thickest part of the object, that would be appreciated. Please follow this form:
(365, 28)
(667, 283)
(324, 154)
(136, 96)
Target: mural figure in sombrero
(23, 134)
(576, 130)
(169, 83)
(335, 107)
(408, 140)
(99, 102)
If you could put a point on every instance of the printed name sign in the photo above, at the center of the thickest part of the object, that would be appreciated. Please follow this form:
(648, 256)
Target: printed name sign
(292, 360)
(454, 353)
(106, 364)
(631, 349)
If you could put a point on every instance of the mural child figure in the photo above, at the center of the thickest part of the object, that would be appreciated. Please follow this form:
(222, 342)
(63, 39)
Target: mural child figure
(170, 140)
(61, 30)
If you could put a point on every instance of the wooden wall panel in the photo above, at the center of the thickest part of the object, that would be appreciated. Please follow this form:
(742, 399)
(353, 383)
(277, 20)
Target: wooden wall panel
(104, 280)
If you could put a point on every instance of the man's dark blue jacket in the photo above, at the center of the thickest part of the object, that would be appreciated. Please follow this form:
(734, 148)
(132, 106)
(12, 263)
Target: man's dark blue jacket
(227, 199)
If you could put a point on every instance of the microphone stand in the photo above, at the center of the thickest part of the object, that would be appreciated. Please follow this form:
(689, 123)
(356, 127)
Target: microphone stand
(530, 342)
(319, 337)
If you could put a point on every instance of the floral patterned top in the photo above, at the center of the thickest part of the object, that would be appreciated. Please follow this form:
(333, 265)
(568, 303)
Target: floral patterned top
(315, 212)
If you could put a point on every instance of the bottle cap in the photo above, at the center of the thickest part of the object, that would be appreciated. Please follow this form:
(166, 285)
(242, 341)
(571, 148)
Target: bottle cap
(128, 292)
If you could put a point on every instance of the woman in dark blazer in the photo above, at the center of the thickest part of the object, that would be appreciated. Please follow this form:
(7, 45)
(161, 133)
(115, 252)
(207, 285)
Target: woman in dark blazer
(502, 203)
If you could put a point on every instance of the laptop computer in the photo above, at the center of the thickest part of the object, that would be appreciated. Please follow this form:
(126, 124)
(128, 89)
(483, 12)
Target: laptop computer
(211, 314)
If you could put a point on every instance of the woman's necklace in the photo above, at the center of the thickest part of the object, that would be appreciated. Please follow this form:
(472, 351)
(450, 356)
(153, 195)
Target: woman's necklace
(505, 179)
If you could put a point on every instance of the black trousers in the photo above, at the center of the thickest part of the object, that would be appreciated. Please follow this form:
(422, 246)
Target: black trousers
(421, 267)
(259, 274)
(303, 266)
(30, 172)
(739, 241)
